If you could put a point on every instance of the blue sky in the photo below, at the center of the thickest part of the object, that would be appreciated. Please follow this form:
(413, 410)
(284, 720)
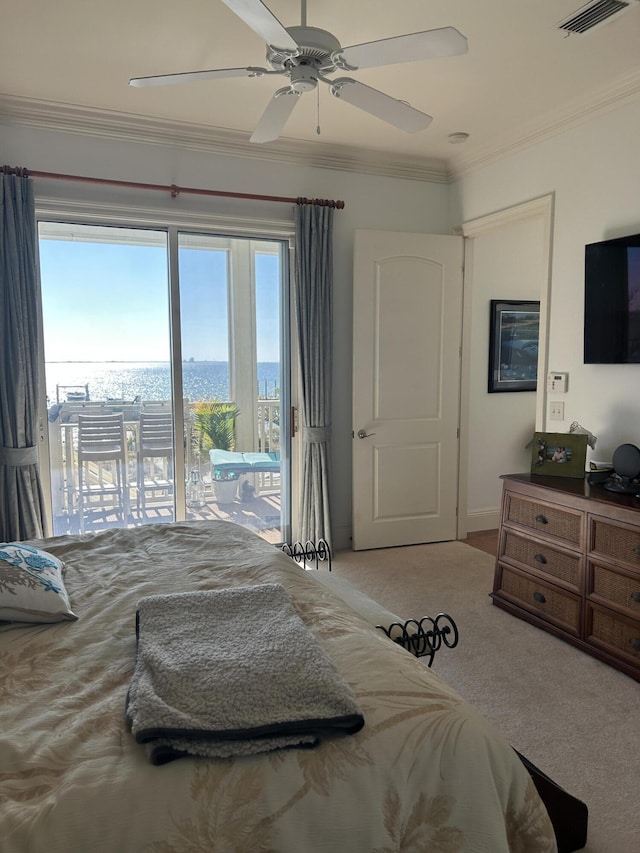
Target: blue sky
(109, 302)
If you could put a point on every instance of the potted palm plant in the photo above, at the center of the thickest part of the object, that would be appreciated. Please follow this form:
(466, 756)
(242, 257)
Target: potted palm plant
(215, 428)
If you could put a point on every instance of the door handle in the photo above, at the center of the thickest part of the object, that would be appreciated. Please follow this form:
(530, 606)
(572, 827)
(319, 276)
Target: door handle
(362, 433)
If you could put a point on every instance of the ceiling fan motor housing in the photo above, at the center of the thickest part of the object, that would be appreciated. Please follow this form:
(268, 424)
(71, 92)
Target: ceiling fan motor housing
(315, 46)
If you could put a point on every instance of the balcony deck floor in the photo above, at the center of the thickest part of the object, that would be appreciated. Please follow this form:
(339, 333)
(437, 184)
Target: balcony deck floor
(261, 514)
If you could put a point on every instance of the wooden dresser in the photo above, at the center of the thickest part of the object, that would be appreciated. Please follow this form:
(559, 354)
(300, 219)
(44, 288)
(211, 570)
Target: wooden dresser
(569, 562)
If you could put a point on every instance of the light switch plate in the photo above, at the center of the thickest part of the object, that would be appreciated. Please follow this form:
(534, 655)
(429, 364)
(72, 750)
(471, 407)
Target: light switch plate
(556, 411)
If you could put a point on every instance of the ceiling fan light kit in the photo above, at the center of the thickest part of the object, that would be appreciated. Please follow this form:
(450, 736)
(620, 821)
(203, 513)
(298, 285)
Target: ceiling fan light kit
(308, 55)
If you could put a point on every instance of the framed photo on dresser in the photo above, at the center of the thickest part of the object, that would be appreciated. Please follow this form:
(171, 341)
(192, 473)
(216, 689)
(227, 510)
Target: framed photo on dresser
(559, 454)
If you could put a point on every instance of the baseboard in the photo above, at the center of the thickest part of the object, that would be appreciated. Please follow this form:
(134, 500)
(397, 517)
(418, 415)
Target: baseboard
(488, 519)
(484, 519)
(341, 536)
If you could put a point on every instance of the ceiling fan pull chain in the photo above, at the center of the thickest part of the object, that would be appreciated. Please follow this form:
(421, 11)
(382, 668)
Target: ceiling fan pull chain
(318, 108)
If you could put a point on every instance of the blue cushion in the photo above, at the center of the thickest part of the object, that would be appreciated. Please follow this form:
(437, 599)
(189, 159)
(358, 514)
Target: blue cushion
(243, 463)
(227, 460)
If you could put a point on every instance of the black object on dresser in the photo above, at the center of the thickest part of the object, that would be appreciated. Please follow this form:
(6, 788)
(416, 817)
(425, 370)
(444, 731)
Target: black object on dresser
(569, 562)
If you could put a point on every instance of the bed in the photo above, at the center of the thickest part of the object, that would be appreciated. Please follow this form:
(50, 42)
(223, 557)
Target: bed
(424, 772)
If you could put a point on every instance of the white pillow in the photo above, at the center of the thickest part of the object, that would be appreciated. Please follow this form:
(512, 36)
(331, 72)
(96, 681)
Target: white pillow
(31, 586)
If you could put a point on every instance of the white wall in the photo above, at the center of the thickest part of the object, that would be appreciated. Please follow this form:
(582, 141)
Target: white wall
(371, 202)
(506, 261)
(593, 171)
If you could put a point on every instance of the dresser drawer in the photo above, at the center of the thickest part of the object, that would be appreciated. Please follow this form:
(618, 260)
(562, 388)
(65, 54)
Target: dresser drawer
(620, 542)
(544, 518)
(615, 588)
(548, 602)
(543, 558)
(614, 633)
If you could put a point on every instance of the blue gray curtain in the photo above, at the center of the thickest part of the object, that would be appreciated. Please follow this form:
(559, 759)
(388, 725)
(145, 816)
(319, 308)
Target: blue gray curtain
(314, 301)
(21, 500)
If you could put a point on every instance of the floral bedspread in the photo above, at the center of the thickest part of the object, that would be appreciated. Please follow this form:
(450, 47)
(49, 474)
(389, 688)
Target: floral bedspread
(426, 772)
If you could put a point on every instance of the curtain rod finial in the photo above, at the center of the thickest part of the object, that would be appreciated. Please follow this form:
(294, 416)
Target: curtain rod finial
(20, 171)
(321, 202)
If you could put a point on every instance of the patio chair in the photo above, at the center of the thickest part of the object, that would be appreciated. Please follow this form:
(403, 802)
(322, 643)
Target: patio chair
(102, 465)
(155, 456)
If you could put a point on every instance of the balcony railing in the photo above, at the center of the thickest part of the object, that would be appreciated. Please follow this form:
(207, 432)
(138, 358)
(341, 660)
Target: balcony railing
(63, 440)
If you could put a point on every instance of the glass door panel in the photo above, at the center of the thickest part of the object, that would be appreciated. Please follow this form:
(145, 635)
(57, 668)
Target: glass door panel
(105, 307)
(231, 310)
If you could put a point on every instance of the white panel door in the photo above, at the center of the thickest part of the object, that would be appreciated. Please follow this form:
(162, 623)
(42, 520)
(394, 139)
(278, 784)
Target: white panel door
(407, 307)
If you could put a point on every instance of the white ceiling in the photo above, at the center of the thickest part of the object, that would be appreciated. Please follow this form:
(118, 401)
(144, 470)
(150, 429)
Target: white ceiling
(522, 77)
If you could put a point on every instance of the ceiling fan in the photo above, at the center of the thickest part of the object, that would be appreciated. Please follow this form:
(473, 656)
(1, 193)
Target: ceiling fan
(307, 55)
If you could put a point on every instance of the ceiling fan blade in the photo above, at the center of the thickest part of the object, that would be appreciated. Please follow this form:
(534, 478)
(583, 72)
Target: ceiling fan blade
(275, 116)
(378, 104)
(429, 44)
(263, 22)
(186, 76)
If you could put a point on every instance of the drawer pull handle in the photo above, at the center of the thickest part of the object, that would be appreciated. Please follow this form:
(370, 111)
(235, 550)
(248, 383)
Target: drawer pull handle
(636, 550)
(635, 642)
(540, 558)
(540, 518)
(540, 597)
(636, 596)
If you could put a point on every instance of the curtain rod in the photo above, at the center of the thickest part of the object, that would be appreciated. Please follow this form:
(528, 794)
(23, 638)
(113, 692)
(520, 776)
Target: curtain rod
(172, 188)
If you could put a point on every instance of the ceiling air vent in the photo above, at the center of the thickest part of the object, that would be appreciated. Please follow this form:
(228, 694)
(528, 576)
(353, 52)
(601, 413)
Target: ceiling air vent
(594, 14)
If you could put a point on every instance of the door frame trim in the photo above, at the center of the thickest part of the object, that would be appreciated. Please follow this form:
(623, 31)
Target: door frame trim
(170, 221)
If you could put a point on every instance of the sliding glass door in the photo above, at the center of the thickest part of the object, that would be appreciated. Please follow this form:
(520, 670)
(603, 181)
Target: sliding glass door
(234, 379)
(154, 334)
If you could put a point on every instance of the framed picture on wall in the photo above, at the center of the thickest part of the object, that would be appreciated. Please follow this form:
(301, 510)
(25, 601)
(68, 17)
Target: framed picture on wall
(513, 345)
(559, 454)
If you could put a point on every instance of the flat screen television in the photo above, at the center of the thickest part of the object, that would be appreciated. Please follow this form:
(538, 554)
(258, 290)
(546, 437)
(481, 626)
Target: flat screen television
(612, 301)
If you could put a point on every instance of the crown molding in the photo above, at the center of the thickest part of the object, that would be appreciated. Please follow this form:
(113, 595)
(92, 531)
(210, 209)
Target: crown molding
(110, 124)
(552, 124)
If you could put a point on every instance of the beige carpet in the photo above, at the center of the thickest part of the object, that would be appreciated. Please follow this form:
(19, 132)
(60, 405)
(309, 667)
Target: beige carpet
(577, 719)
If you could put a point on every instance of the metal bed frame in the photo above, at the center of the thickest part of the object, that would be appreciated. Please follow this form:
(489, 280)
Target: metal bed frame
(422, 637)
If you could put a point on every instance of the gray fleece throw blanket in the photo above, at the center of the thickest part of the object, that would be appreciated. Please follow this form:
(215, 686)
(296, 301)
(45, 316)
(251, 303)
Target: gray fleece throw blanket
(232, 672)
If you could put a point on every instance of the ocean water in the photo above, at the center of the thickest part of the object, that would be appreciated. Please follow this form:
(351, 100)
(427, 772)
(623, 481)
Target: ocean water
(202, 380)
